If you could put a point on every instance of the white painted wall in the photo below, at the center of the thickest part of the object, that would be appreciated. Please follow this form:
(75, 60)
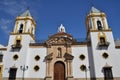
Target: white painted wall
(8, 57)
(77, 62)
(99, 61)
(31, 62)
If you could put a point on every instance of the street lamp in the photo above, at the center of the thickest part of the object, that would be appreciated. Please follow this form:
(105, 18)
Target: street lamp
(86, 73)
(23, 68)
(86, 69)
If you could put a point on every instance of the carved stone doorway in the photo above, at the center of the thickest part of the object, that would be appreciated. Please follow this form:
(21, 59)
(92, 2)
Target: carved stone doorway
(59, 71)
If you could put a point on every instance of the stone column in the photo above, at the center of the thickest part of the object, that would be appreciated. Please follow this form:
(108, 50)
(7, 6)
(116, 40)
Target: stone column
(1, 71)
(69, 69)
(48, 77)
(104, 24)
(25, 26)
(48, 59)
(94, 25)
(16, 27)
(47, 69)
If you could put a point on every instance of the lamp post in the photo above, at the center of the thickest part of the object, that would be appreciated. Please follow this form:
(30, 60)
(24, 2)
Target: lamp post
(86, 69)
(86, 73)
(23, 68)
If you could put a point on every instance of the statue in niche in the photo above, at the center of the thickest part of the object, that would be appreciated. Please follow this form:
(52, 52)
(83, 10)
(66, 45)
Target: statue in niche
(59, 53)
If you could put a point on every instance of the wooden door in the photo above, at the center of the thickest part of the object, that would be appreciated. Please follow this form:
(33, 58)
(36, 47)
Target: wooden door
(12, 73)
(59, 71)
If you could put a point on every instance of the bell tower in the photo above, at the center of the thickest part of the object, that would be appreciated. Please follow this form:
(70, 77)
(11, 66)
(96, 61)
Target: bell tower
(100, 36)
(25, 24)
(24, 30)
(18, 45)
(96, 21)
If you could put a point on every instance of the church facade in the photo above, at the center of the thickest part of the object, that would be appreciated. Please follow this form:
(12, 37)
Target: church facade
(61, 56)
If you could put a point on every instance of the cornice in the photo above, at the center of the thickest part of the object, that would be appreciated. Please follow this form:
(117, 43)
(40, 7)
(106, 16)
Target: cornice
(117, 46)
(12, 33)
(26, 18)
(3, 49)
(107, 30)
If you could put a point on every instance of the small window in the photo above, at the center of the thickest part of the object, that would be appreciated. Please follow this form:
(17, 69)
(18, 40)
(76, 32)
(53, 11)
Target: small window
(82, 57)
(18, 42)
(36, 68)
(102, 40)
(15, 57)
(32, 30)
(83, 67)
(1, 57)
(105, 55)
(99, 25)
(37, 57)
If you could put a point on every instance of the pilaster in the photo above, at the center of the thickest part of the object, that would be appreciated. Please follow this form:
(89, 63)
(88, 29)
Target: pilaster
(93, 19)
(104, 24)
(1, 71)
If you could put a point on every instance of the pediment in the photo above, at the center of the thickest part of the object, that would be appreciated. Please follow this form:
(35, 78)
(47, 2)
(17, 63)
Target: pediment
(59, 40)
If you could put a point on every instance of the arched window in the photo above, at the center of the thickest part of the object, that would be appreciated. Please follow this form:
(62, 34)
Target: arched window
(1, 57)
(99, 25)
(18, 43)
(32, 30)
(21, 28)
(59, 53)
(102, 40)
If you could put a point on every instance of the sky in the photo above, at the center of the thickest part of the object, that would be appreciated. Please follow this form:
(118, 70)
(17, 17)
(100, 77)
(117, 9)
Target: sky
(49, 14)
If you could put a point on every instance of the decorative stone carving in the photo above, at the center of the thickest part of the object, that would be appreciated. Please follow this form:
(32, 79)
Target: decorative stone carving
(59, 40)
(49, 57)
(68, 56)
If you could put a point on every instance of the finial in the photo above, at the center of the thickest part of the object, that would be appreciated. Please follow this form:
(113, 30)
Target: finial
(61, 28)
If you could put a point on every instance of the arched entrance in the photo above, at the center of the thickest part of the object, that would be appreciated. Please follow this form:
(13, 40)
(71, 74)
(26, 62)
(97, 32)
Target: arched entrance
(59, 71)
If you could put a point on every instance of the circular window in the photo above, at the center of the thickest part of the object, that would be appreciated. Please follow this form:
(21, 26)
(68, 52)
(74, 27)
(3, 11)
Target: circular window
(15, 57)
(105, 55)
(36, 68)
(82, 57)
(83, 67)
(37, 57)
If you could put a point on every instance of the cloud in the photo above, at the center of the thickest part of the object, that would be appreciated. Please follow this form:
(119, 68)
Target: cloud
(4, 23)
(13, 7)
(8, 2)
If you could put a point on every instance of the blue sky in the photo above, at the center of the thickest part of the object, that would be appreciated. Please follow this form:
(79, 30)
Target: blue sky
(49, 14)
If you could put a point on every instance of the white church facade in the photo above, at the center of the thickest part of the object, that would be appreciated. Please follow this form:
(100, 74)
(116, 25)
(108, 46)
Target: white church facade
(61, 57)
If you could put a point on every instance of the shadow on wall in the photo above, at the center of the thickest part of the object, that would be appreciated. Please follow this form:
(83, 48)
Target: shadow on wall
(91, 64)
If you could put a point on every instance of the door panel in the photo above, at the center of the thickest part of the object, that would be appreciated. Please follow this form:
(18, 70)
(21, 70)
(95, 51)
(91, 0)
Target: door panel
(59, 71)
(12, 73)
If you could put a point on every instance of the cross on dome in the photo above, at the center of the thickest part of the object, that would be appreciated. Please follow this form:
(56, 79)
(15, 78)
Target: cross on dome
(61, 28)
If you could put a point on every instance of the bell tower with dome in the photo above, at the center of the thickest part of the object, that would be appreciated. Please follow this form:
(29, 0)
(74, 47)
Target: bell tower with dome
(99, 34)
(19, 40)
(24, 29)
